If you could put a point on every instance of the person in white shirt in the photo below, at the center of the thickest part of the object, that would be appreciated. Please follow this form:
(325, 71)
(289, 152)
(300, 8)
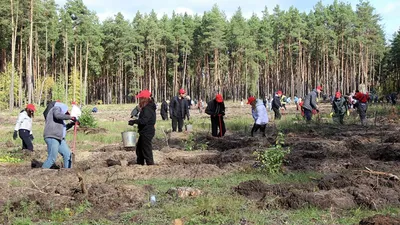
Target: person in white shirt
(23, 127)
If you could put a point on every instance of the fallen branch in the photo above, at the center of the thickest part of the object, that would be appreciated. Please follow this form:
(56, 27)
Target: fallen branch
(389, 175)
(37, 188)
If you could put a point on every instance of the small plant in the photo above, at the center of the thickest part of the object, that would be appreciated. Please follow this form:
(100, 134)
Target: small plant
(190, 143)
(87, 119)
(10, 159)
(271, 159)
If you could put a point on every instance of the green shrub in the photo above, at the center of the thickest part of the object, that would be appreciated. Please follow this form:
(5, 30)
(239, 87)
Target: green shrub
(271, 159)
(87, 119)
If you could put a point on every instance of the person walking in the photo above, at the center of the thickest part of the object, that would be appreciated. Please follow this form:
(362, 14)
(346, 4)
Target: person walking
(23, 127)
(362, 97)
(339, 108)
(310, 103)
(178, 110)
(276, 104)
(216, 110)
(146, 128)
(259, 113)
(55, 131)
(164, 110)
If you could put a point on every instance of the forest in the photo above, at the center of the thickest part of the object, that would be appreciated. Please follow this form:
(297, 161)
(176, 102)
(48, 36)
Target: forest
(67, 53)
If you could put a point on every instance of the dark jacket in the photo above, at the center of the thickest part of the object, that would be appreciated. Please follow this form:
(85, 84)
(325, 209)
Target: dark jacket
(310, 101)
(215, 108)
(276, 102)
(178, 108)
(147, 120)
(164, 108)
(339, 106)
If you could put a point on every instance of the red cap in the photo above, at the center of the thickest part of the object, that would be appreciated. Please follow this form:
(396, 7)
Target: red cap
(58, 100)
(31, 107)
(320, 88)
(182, 91)
(144, 94)
(73, 103)
(338, 94)
(219, 98)
(279, 92)
(251, 99)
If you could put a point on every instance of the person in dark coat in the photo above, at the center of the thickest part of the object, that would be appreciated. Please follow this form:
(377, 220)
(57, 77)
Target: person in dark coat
(276, 105)
(339, 107)
(216, 110)
(362, 103)
(310, 103)
(393, 98)
(178, 110)
(164, 110)
(146, 128)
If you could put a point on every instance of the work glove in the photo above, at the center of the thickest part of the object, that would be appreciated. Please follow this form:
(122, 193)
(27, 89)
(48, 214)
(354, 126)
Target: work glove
(132, 122)
(74, 119)
(331, 114)
(31, 137)
(348, 113)
(317, 110)
(15, 135)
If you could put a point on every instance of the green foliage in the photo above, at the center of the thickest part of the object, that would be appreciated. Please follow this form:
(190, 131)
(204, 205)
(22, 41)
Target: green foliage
(87, 119)
(74, 89)
(190, 143)
(8, 158)
(5, 81)
(272, 158)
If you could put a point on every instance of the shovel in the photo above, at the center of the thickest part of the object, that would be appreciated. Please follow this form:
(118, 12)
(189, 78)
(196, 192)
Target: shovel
(74, 144)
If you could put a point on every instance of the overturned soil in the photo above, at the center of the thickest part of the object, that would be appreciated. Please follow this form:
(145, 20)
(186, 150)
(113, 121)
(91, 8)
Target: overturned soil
(380, 220)
(105, 176)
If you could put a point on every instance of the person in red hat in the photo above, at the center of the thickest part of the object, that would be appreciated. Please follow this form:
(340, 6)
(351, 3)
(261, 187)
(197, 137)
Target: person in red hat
(276, 104)
(146, 128)
(310, 103)
(216, 110)
(339, 108)
(362, 98)
(178, 110)
(23, 127)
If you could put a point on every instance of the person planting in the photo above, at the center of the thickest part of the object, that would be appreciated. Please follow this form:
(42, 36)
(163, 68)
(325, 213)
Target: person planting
(362, 103)
(23, 127)
(216, 110)
(178, 110)
(310, 103)
(55, 131)
(259, 113)
(276, 104)
(339, 108)
(146, 128)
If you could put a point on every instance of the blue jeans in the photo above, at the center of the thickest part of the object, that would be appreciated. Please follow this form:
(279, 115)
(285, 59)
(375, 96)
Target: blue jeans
(54, 147)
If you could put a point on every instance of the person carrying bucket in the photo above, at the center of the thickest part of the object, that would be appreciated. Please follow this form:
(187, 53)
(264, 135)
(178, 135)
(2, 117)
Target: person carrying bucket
(146, 128)
(216, 110)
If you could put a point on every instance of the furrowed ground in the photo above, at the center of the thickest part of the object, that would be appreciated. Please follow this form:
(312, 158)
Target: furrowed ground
(332, 175)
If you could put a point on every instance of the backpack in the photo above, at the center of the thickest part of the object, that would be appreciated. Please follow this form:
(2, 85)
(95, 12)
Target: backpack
(48, 107)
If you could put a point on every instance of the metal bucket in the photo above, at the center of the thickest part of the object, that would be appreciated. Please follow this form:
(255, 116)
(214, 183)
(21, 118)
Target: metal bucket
(189, 128)
(129, 138)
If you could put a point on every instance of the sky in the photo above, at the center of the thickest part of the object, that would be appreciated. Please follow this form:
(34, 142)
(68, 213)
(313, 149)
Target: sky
(108, 8)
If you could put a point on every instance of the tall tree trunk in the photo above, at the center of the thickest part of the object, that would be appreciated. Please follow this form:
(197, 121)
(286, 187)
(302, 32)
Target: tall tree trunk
(29, 72)
(85, 100)
(14, 26)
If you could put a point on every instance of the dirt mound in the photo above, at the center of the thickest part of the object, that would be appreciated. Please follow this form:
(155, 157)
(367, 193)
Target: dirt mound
(228, 142)
(393, 139)
(388, 153)
(342, 191)
(380, 220)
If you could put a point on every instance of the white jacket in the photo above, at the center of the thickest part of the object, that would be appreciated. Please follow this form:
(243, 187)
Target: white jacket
(24, 122)
(260, 114)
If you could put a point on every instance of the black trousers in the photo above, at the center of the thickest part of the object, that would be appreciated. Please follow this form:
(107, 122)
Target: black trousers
(277, 113)
(308, 114)
(144, 150)
(164, 116)
(26, 139)
(362, 110)
(217, 124)
(258, 126)
(177, 121)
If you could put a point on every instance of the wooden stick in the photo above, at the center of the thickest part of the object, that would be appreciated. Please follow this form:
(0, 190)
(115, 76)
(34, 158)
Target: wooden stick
(390, 175)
